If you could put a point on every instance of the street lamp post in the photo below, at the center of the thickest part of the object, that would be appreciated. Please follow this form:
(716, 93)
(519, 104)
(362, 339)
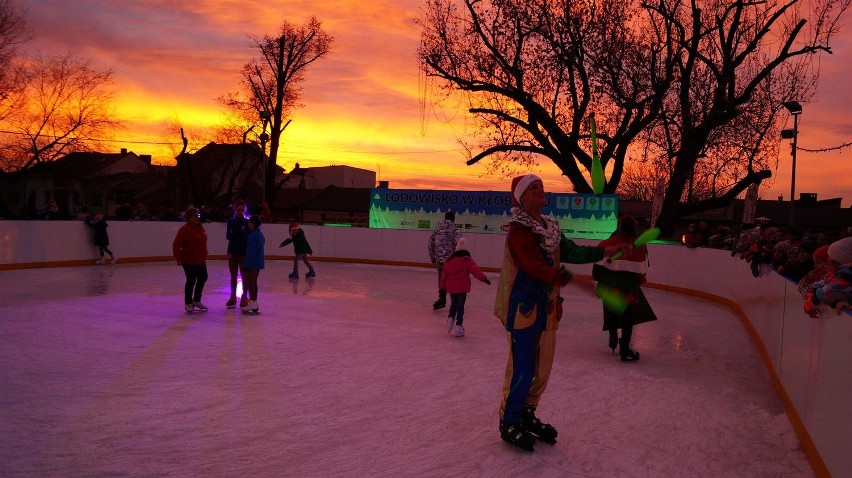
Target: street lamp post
(795, 109)
(264, 117)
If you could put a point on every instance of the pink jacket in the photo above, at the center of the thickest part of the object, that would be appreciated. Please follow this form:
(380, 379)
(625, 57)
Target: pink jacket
(455, 277)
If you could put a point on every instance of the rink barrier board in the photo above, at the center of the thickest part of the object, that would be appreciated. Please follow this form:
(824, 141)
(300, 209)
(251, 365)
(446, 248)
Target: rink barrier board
(808, 446)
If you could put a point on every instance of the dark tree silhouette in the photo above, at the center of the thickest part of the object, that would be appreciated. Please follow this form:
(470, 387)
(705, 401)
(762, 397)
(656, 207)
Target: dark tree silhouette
(693, 88)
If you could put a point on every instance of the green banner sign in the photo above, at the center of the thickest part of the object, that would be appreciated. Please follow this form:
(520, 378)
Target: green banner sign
(584, 216)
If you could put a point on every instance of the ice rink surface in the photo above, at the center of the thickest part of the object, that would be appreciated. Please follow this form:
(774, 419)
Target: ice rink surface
(352, 374)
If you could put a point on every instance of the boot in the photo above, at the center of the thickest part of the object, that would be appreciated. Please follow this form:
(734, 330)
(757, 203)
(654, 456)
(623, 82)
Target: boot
(626, 351)
(543, 431)
(517, 436)
(442, 300)
(613, 342)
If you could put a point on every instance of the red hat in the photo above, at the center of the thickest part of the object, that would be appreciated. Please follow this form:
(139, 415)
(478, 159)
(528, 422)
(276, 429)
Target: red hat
(294, 225)
(821, 253)
(519, 185)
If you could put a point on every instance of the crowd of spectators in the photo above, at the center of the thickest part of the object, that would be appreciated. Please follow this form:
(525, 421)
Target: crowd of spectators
(803, 258)
(764, 247)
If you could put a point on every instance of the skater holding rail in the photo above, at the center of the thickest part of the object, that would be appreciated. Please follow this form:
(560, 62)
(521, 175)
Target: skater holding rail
(530, 307)
(101, 237)
(190, 251)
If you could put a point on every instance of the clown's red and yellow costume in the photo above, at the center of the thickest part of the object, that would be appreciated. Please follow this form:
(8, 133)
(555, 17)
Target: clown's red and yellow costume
(530, 307)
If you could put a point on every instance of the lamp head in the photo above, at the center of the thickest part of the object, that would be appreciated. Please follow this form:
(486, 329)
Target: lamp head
(794, 107)
(788, 134)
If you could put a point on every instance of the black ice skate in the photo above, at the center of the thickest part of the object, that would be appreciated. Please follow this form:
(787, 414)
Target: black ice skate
(628, 354)
(294, 275)
(517, 436)
(543, 431)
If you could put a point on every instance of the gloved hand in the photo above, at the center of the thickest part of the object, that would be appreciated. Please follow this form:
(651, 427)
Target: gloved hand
(487, 281)
(282, 244)
(811, 308)
(564, 276)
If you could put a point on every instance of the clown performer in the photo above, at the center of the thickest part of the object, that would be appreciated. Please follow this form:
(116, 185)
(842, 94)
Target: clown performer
(530, 307)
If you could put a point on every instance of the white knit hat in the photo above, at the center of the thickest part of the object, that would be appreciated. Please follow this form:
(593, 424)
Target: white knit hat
(841, 251)
(520, 184)
(461, 245)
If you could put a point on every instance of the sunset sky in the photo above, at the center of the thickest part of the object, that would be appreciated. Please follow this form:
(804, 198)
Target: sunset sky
(172, 58)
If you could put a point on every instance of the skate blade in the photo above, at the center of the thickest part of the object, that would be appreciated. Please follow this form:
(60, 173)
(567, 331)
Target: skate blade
(544, 440)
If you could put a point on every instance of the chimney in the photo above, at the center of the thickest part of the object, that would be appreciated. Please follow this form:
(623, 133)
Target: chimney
(123, 150)
(383, 184)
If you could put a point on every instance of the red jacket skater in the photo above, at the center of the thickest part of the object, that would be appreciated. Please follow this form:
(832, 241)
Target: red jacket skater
(455, 278)
(190, 245)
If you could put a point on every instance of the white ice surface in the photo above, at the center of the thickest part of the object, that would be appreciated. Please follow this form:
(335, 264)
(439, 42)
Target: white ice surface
(353, 374)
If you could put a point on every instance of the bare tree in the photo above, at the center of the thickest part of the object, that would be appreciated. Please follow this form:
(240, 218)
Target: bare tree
(738, 61)
(229, 172)
(533, 72)
(273, 84)
(694, 85)
(65, 105)
(13, 33)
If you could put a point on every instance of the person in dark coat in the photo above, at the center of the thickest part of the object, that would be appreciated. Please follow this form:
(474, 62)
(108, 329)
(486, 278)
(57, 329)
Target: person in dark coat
(236, 232)
(301, 249)
(625, 275)
(100, 225)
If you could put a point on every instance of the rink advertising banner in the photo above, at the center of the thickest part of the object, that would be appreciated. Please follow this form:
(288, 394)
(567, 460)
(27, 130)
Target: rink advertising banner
(585, 216)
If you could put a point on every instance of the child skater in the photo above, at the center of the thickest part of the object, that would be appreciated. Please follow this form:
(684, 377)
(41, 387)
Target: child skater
(253, 263)
(101, 237)
(455, 279)
(301, 249)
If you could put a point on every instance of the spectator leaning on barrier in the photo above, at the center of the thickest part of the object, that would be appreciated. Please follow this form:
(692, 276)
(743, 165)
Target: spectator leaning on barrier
(835, 291)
